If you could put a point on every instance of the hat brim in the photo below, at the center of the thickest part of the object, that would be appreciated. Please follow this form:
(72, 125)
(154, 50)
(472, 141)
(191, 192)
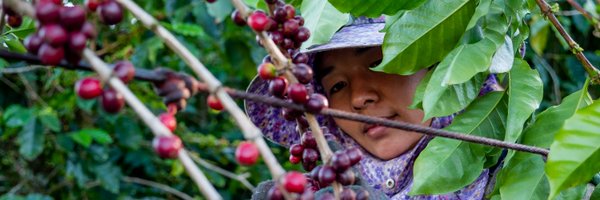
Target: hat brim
(356, 36)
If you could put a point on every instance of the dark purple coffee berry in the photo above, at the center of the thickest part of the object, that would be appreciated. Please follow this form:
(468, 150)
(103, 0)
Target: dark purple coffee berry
(307, 195)
(326, 175)
(33, 43)
(72, 18)
(277, 37)
(308, 140)
(266, 59)
(287, 43)
(346, 178)
(348, 194)
(302, 35)
(296, 150)
(340, 161)
(237, 18)
(314, 173)
(112, 101)
(297, 92)
(362, 195)
(326, 196)
(274, 194)
(271, 1)
(300, 58)
(354, 155)
(50, 55)
(290, 28)
(316, 103)
(14, 20)
(89, 30)
(110, 12)
(310, 155)
(279, 14)
(307, 166)
(300, 20)
(47, 13)
(77, 41)
(290, 11)
(124, 70)
(303, 73)
(290, 114)
(278, 86)
(54, 34)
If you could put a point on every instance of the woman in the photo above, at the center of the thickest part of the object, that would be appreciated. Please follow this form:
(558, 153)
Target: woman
(343, 75)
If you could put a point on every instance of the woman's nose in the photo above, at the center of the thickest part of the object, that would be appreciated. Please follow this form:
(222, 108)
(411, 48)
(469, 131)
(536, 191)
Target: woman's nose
(363, 95)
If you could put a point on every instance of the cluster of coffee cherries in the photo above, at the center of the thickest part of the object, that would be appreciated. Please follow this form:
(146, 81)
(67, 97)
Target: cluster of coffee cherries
(111, 101)
(13, 19)
(338, 169)
(295, 184)
(348, 194)
(305, 152)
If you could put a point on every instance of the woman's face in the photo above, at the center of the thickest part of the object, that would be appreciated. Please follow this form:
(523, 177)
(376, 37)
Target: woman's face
(351, 86)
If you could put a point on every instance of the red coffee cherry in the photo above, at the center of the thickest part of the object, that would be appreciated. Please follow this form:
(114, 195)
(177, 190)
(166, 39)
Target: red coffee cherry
(326, 175)
(54, 34)
(112, 101)
(57, 2)
(290, 11)
(72, 18)
(348, 194)
(340, 161)
(50, 55)
(300, 20)
(290, 28)
(88, 88)
(14, 20)
(124, 70)
(346, 178)
(314, 173)
(89, 30)
(277, 86)
(279, 14)
(167, 146)
(267, 71)
(259, 21)
(168, 120)
(354, 155)
(214, 103)
(303, 73)
(92, 4)
(302, 35)
(33, 43)
(237, 18)
(297, 92)
(277, 37)
(296, 150)
(294, 159)
(300, 58)
(362, 195)
(274, 194)
(77, 41)
(287, 43)
(310, 156)
(246, 153)
(307, 166)
(294, 182)
(308, 140)
(316, 103)
(47, 13)
(110, 12)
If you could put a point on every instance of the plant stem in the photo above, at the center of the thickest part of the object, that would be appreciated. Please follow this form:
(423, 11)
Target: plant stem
(160, 186)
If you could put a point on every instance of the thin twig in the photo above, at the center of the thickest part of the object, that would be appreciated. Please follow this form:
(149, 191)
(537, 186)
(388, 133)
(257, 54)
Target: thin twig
(585, 13)
(17, 70)
(160, 186)
(32, 94)
(242, 178)
(10, 84)
(250, 131)
(592, 71)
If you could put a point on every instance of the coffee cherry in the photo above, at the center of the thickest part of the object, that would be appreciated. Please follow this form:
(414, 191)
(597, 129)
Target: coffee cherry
(54, 34)
(296, 150)
(300, 20)
(267, 71)
(326, 196)
(354, 155)
(316, 103)
(14, 20)
(8, 10)
(271, 1)
(124, 70)
(302, 35)
(112, 101)
(314, 173)
(211, 1)
(287, 43)
(77, 41)
(348, 194)
(290, 114)
(303, 73)
(362, 195)
(294, 182)
(290, 11)
(72, 18)
(308, 165)
(294, 159)
(88, 88)
(290, 28)
(300, 58)
(277, 37)
(168, 120)
(266, 59)
(274, 194)
(272, 25)
(92, 4)
(297, 92)
(279, 14)
(246, 153)
(50, 55)
(258, 21)
(237, 18)
(47, 12)
(310, 156)
(33, 43)
(110, 12)
(278, 86)
(167, 146)
(57, 2)
(346, 178)
(340, 161)
(326, 175)
(214, 103)
(307, 195)
(89, 30)
(308, 140)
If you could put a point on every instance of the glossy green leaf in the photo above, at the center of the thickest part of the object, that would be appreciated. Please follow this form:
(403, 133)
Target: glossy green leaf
(49, 118)
(596, 193)
(374, 8)
(503, 59)
(220, 10)
(447, 165)
(423, 36)
(525, 93)
(575, 154)
(442, 100)
(31, 139)
(14, 44)
(470, 59)
(16, 116)
(574, 193)
(99, 135)
(523, 178)
(322, 19)
(109, 176)
(482, 9)
(81, 138)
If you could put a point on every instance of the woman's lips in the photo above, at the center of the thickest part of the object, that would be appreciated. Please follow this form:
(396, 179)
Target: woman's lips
(375, 130)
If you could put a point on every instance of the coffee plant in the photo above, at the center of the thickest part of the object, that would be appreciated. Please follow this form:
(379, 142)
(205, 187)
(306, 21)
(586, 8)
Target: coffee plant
(142, 126)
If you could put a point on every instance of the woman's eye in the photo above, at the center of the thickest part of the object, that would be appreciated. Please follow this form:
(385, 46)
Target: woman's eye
(374, 64)
(337, 87)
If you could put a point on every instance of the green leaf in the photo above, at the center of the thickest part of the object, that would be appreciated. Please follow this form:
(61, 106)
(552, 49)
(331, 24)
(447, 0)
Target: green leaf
(31, 139)
(473, 58)
(575, 154)
(17, 116)
(503, 59)
(374, 8)
(447, 165)
(81, 138)
(322, 19)
(109, 176)
(220, 10)
(574, 193)
(14, 44)
(37, 197)
(49, 119)
(442, 100)
(423, 36)
(596, 193)
(417, 102)
(85, 137)
(11, 197)
(525, 93)
(523, 178)
(482, 9)
(128, 132)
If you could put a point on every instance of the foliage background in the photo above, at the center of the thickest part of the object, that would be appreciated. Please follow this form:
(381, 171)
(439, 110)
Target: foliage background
(55, 145)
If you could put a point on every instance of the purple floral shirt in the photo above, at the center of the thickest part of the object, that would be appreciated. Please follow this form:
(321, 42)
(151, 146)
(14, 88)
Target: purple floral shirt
(392, 177)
